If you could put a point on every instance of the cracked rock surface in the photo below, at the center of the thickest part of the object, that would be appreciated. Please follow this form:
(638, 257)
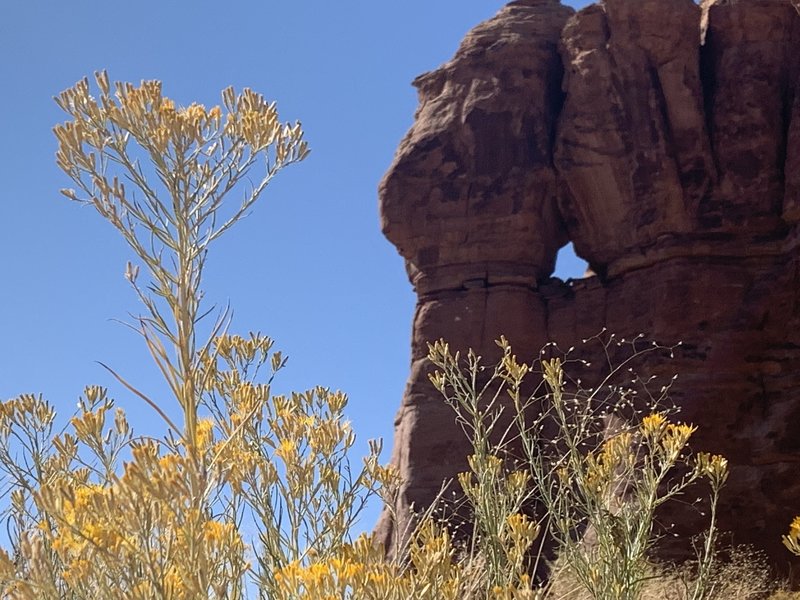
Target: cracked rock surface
(662, 139)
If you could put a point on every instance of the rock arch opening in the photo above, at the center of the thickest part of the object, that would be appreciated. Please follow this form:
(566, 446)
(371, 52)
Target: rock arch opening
(569, 265)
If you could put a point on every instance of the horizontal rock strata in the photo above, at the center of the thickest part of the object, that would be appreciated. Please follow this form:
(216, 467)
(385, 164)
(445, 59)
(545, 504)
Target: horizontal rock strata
(662, 139)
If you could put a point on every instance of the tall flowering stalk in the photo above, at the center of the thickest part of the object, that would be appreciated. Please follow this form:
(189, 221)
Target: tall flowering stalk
(198, 157)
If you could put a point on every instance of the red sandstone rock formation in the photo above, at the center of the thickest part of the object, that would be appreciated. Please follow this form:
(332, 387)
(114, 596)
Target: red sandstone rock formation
(674, 168)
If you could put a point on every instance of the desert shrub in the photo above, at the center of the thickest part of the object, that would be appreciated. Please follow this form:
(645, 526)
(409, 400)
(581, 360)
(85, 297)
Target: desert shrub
(596, 475)
(247, 484)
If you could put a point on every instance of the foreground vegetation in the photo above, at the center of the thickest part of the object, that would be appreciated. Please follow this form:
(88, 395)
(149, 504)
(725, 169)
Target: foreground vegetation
(251, 494)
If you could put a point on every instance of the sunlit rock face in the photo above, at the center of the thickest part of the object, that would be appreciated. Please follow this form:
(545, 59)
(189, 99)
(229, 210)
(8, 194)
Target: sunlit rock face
(662, 138)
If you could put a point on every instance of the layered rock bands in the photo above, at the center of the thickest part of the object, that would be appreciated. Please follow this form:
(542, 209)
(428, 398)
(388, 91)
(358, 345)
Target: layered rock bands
(662, 139)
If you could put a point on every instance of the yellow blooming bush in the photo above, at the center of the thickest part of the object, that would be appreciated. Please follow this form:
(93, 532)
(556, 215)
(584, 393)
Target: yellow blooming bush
(568, 466)
(246, 485)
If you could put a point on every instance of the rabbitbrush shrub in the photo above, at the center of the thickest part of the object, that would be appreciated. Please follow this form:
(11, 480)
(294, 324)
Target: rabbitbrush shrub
(247, 484)
(596, 474)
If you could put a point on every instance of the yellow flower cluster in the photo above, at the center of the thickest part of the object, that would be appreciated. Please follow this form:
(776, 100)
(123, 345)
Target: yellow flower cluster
(84, 526)
(26, 409)
(360, 570)
(136, 534)
(101, 533)
(553, 374)
(434, 572)
(198, 154)
(157, 123)
(666, 440)
(712, 466)
(522, 591)
(792, 539)
(519, 534)
(604, 468)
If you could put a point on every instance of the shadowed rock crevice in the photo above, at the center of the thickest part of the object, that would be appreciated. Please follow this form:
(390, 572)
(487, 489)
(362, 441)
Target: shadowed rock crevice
(674, 169)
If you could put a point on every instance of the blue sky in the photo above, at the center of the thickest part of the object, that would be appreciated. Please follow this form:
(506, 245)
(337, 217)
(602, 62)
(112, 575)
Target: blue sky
(309, 267)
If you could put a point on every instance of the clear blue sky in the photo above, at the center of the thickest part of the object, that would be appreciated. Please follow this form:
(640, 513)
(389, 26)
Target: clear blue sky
(309, 267)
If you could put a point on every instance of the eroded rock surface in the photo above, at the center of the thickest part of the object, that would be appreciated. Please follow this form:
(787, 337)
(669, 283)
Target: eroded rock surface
(663, 139)
(471, 202)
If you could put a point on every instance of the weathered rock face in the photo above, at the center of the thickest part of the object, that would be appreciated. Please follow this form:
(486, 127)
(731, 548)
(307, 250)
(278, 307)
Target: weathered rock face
(673, 165)
(466, 202)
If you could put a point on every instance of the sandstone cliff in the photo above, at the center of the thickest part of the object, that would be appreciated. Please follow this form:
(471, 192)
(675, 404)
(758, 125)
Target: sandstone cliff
(662, 138)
